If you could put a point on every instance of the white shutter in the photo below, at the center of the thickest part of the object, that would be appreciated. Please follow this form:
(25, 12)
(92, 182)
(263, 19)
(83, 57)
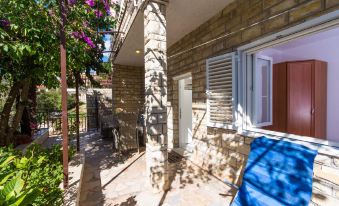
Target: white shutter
(220, 75)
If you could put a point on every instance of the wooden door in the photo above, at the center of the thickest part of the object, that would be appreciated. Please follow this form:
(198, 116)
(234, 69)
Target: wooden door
(299, 98)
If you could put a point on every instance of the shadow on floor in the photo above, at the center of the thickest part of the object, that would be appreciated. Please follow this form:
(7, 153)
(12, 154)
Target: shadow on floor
(100, 161)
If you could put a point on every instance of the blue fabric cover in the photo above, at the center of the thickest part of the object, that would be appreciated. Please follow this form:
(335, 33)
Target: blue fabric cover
(276, 173)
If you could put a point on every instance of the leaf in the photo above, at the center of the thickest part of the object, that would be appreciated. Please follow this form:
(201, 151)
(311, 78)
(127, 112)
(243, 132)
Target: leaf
(18, 186)
(8, 188)
(6, 48)
(19, 201)
(41, 159)
(27, 198)
(9, 159)
(6, 178)
(22, 163)
(13, 187)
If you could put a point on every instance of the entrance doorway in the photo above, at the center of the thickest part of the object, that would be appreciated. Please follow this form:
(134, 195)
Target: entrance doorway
(185, 113)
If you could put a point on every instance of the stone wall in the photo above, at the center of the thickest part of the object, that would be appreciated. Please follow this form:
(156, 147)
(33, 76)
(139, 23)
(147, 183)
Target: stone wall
(220, 151)
(128, 99)
(99, 108)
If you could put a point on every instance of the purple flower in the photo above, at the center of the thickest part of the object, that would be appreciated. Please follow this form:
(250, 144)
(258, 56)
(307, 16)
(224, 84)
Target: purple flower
(4, 23)
(76, 34)
(90, 3)
(89, 41)
(82, 35)
(72, 2)
(98, 13)
(107, 7)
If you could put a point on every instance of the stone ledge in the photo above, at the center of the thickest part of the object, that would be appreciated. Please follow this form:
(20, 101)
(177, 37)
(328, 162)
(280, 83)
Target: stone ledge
(39, 138)
(76, 170)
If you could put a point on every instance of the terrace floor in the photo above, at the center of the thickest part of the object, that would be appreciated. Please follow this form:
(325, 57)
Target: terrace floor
(120, 180)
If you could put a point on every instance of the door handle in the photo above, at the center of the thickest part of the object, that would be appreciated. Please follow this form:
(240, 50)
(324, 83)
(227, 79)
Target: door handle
(312, 111)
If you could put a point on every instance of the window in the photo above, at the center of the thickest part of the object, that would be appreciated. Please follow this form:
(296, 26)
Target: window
(291, 88)
(220, 90)
(262, 90)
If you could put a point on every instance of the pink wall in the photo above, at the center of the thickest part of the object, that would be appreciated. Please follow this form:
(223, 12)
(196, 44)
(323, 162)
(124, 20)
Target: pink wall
(320, 47)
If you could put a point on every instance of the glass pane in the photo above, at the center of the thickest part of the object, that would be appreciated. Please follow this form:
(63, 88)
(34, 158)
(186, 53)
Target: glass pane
(263, 90)
(265, 115)
(265, 81)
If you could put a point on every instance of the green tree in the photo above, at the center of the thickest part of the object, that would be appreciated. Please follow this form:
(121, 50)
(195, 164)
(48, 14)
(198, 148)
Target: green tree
(29, 48)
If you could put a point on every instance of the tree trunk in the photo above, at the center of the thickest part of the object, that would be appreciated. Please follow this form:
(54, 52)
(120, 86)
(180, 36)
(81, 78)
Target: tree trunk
(5, 114)
(28, 117)
(20, 108)
(25, 122)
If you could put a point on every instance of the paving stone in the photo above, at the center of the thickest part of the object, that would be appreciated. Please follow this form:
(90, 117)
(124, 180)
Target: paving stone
(190, 185)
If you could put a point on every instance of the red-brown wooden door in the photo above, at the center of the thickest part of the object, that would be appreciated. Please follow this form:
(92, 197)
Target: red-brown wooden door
(299, 98)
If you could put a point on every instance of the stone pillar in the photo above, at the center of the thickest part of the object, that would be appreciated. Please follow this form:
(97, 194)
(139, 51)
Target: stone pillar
(156, 94)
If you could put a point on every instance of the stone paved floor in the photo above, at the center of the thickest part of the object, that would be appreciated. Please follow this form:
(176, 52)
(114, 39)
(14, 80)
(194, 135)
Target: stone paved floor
(102, 185)
(102, 164)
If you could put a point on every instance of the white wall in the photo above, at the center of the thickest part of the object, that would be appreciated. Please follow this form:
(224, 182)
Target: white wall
(325, 49)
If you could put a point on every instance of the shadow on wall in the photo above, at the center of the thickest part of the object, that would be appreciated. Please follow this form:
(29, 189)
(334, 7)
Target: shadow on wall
(99, 108)
(128, 100)
(223, 153)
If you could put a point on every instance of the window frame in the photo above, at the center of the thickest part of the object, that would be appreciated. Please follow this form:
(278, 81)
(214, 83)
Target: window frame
(255, 97)
(233, 125)
(245, 72)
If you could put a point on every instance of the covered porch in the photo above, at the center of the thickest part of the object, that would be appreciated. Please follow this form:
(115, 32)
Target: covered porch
(142, 83)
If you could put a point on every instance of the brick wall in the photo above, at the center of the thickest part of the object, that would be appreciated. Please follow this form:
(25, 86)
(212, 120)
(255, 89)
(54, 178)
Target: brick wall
(128, 100)
(221, 151)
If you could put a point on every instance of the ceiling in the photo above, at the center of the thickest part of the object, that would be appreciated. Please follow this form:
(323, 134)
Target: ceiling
(183, 16)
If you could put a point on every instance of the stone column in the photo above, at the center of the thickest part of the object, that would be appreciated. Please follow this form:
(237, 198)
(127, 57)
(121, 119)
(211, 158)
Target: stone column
(156, 94)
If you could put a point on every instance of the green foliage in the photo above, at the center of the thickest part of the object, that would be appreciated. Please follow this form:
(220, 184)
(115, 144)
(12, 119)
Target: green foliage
(51, 100)
(31, 179)
(71, 101)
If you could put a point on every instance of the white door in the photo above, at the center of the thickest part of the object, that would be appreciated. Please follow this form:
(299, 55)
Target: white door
(185, 112)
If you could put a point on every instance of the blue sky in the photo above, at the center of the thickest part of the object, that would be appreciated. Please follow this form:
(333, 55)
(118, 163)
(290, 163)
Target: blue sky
(107, 47)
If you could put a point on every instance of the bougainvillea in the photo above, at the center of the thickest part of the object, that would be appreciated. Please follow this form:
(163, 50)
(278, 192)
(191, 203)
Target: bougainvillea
(72, 2)
(30, 43)
(98, 13)
(90, 3)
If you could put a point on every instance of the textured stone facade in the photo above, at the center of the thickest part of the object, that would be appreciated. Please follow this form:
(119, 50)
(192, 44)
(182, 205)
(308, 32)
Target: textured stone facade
(156, 94)
(128, 100)
(99, 108)
(223, 152)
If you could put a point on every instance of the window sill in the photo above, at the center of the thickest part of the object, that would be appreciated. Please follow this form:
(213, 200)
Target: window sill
(221, 126)
(324, 147)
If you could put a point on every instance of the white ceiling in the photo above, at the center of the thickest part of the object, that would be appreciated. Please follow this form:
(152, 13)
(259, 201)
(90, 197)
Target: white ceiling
(183, 16)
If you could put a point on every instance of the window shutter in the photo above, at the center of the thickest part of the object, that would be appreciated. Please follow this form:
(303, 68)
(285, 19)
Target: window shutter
(220, 73)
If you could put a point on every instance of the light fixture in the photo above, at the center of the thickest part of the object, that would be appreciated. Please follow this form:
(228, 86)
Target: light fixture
(137, 51)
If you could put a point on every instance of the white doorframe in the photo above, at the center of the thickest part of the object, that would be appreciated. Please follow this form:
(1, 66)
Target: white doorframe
(185, 111)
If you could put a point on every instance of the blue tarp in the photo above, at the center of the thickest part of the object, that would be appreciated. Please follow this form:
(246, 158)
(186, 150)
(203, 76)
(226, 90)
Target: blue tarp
(277, 173)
